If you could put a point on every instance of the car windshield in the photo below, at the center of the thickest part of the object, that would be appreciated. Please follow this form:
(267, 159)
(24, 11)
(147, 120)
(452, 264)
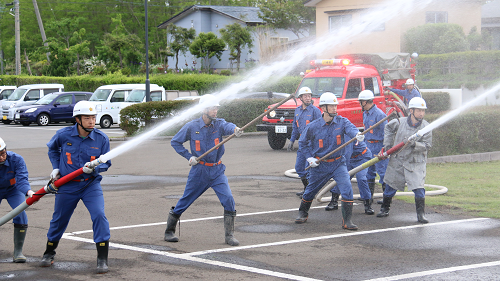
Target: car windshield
(136, 96)
(100, 95)
(46, 99)
(17, 94)
(320, 85)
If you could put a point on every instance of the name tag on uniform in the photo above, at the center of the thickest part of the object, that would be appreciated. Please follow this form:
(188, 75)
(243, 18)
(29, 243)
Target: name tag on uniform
(68, 143)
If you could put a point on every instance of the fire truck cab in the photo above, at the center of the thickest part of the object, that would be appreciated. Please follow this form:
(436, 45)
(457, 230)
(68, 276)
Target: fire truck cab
(345, 76)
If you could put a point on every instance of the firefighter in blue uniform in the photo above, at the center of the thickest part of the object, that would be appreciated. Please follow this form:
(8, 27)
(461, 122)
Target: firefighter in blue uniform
(356, 153)
(203, 134)
(304, 114)
(409, 93)
(70, 149)
(321, 137)
(374, 138)
(14, 186)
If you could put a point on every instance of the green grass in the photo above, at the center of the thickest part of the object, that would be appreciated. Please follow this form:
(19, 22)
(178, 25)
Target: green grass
(473, 188)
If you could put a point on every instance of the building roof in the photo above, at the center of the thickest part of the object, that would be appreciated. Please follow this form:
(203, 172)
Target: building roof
(249, 15)
(491, 9)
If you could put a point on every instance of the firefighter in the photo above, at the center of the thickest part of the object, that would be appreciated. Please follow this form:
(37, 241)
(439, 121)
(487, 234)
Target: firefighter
(374, 138)
(409, 165)
(322, 136)
(355, 154)
(304, 114)
(70, 149)
(203, 134)
(409, 93)
(14, 186)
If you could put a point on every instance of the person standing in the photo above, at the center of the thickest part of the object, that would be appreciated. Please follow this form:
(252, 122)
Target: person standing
(70, 149)
(203, 134)
(304, 114)
(409, 165)
(322, 136)
(409, 93)
(374, 138)
(14, 186)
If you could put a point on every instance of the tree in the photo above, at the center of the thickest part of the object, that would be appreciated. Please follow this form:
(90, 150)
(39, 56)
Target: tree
(64, 28)
(181, 40)
(81, 47)
(207, 45)
(119, 39)
(287, 14)
(436, 38)
(237, 38)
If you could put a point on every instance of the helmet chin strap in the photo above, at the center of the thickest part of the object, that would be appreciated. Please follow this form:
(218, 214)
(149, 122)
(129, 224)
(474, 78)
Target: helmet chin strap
(85, 129)
(331, 114)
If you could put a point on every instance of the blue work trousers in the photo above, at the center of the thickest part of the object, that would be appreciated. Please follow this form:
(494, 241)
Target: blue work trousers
(14, 198)
(390, 192)
(300, 164)
(202, 178)
(66, 202)
(364, 190)
(379, 167)
(319, 176)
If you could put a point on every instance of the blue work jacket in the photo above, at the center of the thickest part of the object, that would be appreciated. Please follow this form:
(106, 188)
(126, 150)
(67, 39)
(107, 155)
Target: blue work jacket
(14, 173)
(407, 95)
(370, 117)
(202, 137)
(302, 118)
(68, 151)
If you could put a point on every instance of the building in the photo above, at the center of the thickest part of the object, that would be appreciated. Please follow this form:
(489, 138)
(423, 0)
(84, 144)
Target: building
(491, 22)
(213, 18)
(388, 37)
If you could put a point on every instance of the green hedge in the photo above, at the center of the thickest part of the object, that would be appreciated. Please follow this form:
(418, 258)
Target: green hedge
(437, 101)
(242, 111)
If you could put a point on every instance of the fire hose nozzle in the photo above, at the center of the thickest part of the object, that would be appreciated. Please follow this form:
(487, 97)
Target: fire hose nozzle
(95, 163)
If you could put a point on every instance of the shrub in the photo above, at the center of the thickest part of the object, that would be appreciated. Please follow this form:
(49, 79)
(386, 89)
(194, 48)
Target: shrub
(242, 111)
(436, 101)
(225, 72)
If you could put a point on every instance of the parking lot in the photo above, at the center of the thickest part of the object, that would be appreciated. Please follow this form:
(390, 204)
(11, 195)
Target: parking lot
(143, 183)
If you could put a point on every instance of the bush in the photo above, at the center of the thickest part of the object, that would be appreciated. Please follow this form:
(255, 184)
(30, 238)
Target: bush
(225, 72)
(242, 111)
(437, 101)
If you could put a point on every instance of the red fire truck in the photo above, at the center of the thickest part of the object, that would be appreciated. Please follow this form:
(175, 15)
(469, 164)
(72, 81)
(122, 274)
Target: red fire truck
(345, 76)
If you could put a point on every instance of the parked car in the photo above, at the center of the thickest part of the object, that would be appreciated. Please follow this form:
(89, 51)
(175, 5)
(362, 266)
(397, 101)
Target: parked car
(5, 91)
(26, 95)
(52, 108)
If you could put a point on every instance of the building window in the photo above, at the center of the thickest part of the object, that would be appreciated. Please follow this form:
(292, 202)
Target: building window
(339, 21)
(436, 17)
(371, 27)
(278, 40)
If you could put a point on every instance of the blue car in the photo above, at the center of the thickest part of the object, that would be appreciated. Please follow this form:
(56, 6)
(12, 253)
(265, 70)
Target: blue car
(51, 108)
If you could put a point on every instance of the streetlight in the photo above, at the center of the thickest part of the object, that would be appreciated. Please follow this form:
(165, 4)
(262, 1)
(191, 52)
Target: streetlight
(148, 94)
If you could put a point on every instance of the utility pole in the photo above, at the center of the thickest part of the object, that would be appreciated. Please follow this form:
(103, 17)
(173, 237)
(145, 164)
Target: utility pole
(40, 25)
(18, 37)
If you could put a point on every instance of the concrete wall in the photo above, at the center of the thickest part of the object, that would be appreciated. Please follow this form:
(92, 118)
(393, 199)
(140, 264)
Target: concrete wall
(455, 96)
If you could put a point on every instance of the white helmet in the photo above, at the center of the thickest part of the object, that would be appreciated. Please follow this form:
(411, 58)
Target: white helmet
(84, 108)
(365, 95)
(417, 102)
(2, 144)
(328, 98)
(304, 90)
(410, 82)
(209, 101)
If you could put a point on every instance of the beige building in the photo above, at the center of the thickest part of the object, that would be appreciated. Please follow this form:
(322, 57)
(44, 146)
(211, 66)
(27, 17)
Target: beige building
(332, 14)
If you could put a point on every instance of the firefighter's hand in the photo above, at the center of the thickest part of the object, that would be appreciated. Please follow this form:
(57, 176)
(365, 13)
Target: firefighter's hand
(238, 132)
(360, 137)
(193, 161)
(380, 155)
(30, 193)
(88, 168)
(55, 175)
(313, 162)
(290, 146)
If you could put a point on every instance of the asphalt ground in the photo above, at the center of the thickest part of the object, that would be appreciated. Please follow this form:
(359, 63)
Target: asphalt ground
(145, 181)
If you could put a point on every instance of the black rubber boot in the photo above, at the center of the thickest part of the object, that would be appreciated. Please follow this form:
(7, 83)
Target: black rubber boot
(102, 257)
(420, 204)
(303, 211)
(386, 206)
(334, 203)
(305, 182)
(383, 189)
(371, 186)
(48, 256)
(347, 215)
(368, 207)
(229, 228)
(171, 224)
(19, 235)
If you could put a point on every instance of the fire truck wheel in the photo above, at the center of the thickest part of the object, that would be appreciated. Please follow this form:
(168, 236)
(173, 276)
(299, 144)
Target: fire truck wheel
(276, 141)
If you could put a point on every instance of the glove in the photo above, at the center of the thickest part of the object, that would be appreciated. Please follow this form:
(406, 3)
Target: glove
(30, 193)
(238, 132)
(313, 162)
(87, 168)
(193, 161)
(360, 137)
(55, 175)
(290, 146)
